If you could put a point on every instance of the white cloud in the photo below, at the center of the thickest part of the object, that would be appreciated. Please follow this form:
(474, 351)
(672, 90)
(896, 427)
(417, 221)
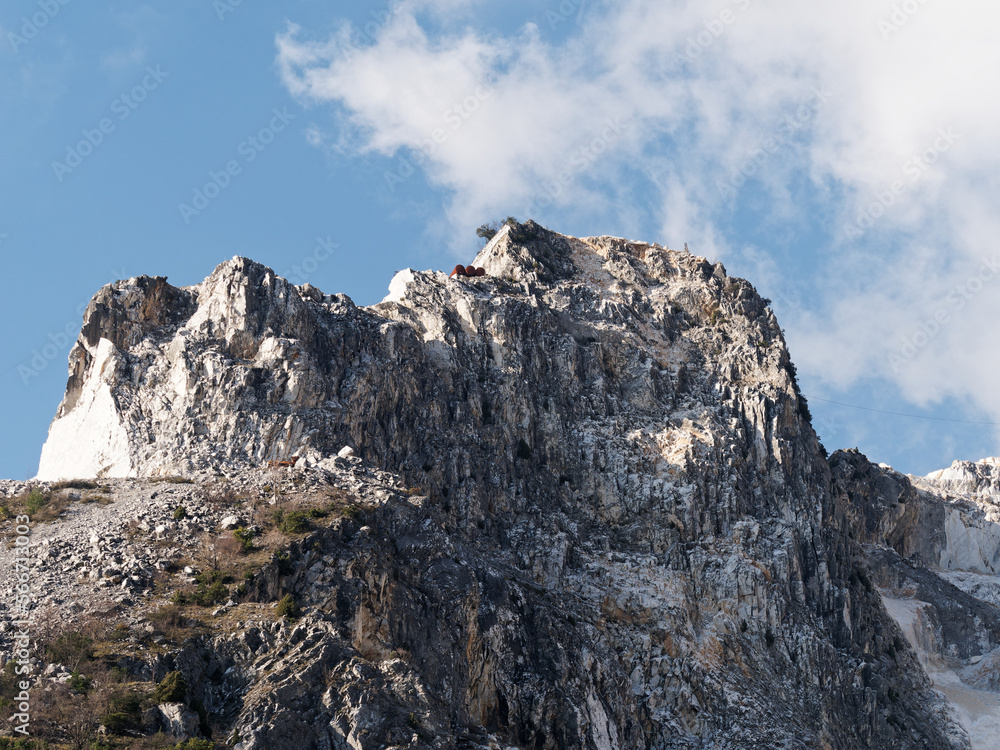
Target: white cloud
(124, 58)
(701, 97)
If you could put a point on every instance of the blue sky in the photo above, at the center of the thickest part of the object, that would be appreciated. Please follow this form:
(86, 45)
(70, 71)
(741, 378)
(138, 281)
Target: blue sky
(842, 158)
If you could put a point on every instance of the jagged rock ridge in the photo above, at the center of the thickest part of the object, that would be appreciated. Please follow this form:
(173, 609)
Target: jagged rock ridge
(631, 538)
(932, 546)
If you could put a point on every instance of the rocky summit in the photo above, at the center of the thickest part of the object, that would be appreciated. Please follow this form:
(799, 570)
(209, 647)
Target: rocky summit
(576, 502)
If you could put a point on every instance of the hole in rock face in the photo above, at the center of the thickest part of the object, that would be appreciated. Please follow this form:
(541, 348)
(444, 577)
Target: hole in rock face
(523, 449)
(503, 712)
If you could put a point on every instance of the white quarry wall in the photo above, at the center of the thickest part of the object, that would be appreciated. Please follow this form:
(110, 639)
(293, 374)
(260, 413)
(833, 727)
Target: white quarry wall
(90, 440)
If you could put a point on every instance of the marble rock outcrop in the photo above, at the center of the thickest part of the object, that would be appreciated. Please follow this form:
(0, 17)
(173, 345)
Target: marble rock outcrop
(629, 534)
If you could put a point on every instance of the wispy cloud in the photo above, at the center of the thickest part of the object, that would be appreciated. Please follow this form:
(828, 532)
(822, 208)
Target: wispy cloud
(124, 58)
(142, 24)
(708, 91)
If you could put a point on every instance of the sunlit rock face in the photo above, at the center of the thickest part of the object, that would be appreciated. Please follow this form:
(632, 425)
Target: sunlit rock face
(632, 537)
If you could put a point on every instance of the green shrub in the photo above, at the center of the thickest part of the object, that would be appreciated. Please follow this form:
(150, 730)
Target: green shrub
(80, 683)
(350, 512)
(71, 648)
(128, 704)
(116, 723)
(245, 538)
(22, 744)
(180, 513)
(295, 522)
(288, 607)
(172, 689)
(217, 592)
(35, 501)
(195, 744)
(211, 576)
(208, 594)
(488, 231)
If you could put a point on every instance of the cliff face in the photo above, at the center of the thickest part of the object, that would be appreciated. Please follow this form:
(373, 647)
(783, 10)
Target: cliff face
(932, 546)
(630, 535)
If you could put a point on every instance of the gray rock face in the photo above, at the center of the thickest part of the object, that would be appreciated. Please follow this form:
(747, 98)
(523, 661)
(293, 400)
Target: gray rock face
(884, 509)
(178, 720)
(930, 545)
(629, 536)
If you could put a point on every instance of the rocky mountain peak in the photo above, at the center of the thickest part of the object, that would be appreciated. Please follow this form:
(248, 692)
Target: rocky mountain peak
(242, 362)
(980, 478)
(588, 506)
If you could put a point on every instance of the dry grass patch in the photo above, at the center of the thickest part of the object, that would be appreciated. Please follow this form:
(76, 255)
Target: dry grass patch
(45, 506)
(172, 480)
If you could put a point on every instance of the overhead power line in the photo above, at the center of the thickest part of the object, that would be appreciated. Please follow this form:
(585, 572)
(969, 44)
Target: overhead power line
(900, 414)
